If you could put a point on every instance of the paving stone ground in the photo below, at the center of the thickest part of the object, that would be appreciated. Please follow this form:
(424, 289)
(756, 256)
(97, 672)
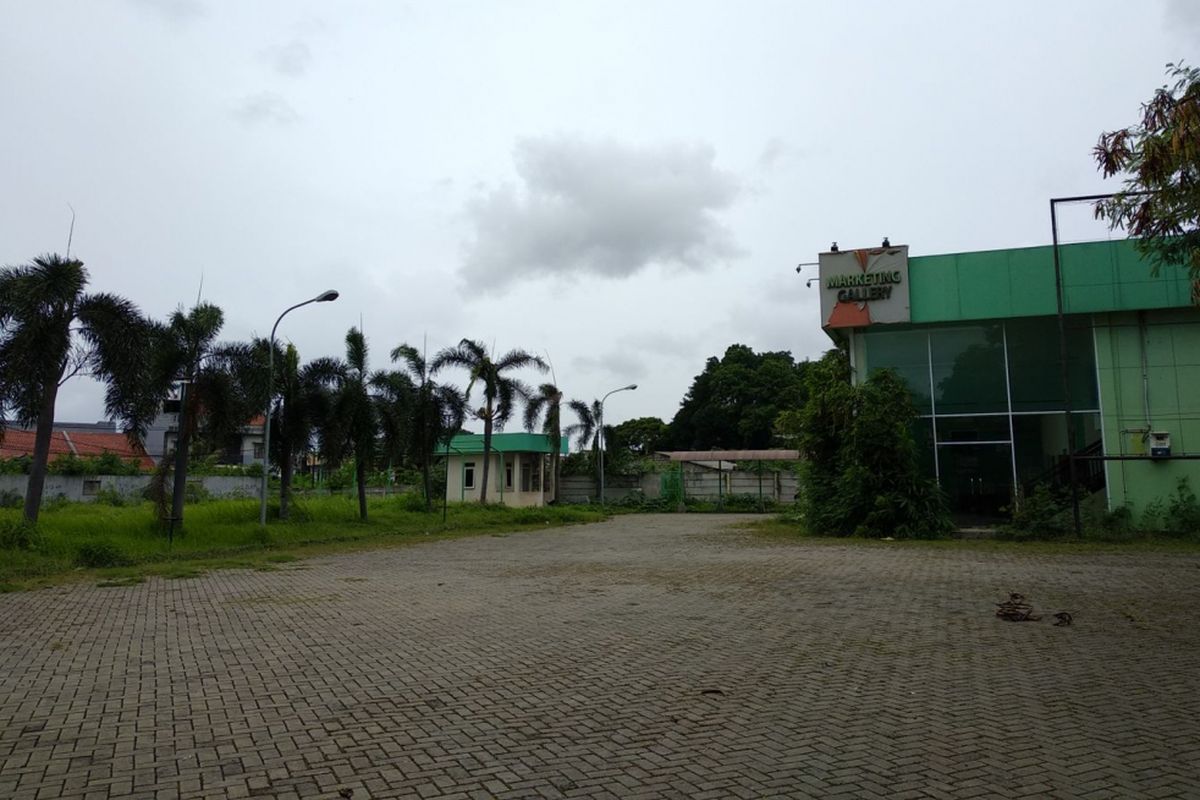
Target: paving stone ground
(645, 657)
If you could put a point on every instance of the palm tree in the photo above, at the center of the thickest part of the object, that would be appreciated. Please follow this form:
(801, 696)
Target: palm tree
(499, 390)
(437, 414)
(352, 423)
(548, 399)
(221, 386)
(587, 431)
(302, 401)
(395, 398)
(50, 330)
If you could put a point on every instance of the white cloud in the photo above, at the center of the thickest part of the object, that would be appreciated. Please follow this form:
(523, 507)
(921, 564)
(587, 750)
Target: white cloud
(1183, 15)
(265, 107)
(601, 208)
(291, 59)
(173, 10)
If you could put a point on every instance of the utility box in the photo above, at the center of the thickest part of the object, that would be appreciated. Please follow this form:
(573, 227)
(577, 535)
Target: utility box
(1160, 444)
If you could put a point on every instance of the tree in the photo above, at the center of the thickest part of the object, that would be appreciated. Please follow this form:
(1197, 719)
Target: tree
(734, 402)
(51, 330)
(547, 401)
(437, 413)
(587, 431)
(1160, 156)
(302, 401)
(500, 390)
(352, 424)
(861, 475)
(641, 436)
(395, 398)
(221, 386)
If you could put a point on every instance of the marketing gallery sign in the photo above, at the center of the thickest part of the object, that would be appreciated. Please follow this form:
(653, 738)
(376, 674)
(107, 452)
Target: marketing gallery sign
(864, 287)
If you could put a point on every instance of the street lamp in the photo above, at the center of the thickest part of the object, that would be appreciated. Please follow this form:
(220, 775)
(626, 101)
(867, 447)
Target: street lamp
(323, 297)
(600, 422)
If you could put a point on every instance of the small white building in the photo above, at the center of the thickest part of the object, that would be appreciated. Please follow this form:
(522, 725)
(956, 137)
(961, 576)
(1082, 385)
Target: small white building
(519, 474)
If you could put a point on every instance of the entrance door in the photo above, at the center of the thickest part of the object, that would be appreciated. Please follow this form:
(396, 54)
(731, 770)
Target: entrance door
(977, 479)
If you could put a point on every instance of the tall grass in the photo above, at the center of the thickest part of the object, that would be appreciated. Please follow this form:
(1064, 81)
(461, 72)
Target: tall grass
(73, 535)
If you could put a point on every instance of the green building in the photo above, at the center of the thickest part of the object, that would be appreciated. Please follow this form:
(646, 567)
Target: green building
(975, 336)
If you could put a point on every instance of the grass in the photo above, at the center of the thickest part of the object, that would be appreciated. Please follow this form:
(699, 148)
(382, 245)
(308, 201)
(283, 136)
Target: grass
(782, 529)
(118, 546)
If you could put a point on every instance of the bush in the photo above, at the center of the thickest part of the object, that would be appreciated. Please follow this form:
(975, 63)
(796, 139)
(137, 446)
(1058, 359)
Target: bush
(861, 474)
(1044, 514)
(101, 553)
(341, 478)
(19, 535)
(15, 466)
(11, 499)
(103, 464)
(111, 496)
(1181, 512)
(195, 492)
(411, 501)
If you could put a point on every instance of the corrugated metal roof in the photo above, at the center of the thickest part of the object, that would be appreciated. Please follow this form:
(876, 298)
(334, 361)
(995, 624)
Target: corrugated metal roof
(731, 455)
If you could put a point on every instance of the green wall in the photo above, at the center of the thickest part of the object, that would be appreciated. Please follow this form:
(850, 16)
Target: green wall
(1172, 347)
(996, 284)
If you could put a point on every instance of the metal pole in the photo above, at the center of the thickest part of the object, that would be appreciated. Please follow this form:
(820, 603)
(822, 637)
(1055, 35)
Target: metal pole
(1066, 381)
(600, 433)
(323, 297)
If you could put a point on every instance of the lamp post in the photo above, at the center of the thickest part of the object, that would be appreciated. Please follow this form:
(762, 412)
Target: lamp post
(600, 423)
(323, 297)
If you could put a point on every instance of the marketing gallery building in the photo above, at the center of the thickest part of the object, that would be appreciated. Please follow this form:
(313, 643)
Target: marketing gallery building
(976, 338)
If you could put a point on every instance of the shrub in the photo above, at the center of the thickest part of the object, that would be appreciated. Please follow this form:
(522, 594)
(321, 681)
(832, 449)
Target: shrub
(15, 466)
(11, 499)
(101, 553)
(19, 535)
(111, 496)
(341, 478)
(1182, 516)
(411, 501)
(861, 474)
(1043, 514)
(195, 492)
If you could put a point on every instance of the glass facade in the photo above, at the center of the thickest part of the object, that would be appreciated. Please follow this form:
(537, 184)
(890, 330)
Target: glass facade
(990, 398)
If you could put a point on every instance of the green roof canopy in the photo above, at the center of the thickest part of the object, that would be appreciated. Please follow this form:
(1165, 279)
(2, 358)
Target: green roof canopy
(472, 444)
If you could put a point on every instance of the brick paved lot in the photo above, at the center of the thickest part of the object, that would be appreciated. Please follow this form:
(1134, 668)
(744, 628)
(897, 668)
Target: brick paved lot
(646, 657)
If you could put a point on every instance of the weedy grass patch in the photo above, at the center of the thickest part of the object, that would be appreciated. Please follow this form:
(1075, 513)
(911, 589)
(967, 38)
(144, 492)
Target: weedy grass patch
(111, 544)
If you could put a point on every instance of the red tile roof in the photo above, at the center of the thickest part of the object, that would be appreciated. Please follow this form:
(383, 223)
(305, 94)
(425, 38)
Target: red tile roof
(19, 442)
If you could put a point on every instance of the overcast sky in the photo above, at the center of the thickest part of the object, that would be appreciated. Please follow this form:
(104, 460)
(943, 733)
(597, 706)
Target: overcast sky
(624, 186)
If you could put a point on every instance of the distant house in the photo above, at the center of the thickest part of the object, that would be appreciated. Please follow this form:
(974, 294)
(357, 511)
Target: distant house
(244, 447)
(519, 471)
(79, 439)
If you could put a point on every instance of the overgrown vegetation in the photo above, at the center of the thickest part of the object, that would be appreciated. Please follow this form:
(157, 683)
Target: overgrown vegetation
(71, 464)
(1159, 203)
(227, 533)
(861, 476)
(1046, 514)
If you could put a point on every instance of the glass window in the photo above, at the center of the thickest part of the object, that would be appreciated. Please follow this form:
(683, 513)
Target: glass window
(972, 429)
(968, 369)
(1033, 356)
(907, 352)
(922, 431)
(508, 474)
(469, 475)
(1041, 442)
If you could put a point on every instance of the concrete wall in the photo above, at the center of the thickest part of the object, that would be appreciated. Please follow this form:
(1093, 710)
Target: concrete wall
(83, 488)
(1170, 343)
(698, 484)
